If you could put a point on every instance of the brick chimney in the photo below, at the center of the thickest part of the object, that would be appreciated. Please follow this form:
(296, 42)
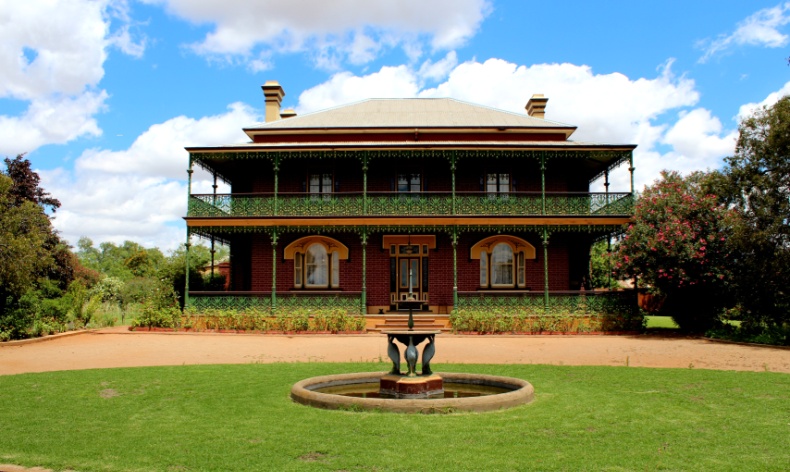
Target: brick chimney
(536, 106)
(273, 94)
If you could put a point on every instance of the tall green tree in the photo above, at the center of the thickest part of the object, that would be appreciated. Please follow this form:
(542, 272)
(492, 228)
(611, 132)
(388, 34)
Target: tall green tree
(125, 261)
(24, 257)
(758, 185)
(677, 247)
(25, 185)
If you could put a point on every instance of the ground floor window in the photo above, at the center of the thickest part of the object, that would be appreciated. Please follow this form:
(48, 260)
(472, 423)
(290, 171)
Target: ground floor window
(503, 261)
(316, 262)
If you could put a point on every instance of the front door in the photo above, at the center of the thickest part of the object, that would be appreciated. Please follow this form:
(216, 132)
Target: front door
(408, 273)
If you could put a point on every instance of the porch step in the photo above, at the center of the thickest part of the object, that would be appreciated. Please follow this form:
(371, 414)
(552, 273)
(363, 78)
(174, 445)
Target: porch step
(377, 323)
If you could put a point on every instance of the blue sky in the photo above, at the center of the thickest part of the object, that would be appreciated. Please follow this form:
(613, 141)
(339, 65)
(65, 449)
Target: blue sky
(103, 95)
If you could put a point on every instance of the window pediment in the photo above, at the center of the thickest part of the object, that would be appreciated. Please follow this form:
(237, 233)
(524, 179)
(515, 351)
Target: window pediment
(301, 245)
(486, 245)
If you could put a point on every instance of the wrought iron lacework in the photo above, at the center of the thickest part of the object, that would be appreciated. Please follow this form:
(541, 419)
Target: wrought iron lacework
(414, 204)
(350, 302)
(576, 303)
(230, 302)
(616, 157)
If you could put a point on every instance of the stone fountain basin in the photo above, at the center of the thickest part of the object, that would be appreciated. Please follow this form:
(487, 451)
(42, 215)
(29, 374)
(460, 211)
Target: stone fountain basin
(518, 392)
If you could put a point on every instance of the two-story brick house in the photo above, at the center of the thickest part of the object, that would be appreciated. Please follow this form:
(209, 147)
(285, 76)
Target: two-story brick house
(356, 206)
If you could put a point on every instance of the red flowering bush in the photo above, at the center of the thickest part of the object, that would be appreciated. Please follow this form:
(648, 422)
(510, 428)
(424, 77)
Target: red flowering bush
(677, 247)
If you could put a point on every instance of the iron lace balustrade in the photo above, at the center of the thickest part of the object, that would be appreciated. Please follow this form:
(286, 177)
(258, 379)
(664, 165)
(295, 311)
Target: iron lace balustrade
(567, 312)
(567, 302)
(262, 301)
(341, 204)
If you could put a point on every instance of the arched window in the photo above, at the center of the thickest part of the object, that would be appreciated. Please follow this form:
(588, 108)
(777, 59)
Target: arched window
(503, 261)
(502, 265)
(316, 261)
(316, 267)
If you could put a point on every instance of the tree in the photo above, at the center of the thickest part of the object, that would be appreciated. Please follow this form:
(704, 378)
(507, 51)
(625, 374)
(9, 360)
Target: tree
(601, 266)
(24, 230)
(125, 262)
(34, 262)
(677, 247)
(25, 187)
(758, 185)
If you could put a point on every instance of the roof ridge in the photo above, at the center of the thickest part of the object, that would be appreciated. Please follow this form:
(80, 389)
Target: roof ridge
(293, 122)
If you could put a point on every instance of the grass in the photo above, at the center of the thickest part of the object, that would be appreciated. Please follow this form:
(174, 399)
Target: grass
(239, 417)
(660, 322)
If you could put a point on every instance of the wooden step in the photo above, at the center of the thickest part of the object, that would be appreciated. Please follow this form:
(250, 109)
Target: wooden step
(399, 320)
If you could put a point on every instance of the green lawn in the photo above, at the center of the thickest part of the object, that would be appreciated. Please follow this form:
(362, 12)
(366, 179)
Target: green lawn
(660, 322)
(239, 417)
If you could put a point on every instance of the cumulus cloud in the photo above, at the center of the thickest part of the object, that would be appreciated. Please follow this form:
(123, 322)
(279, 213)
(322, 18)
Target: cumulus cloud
(759, 29)
(748, 109)
(607, 108)
(52, 57)
(159, 151)
(139, 194)
(345, 87)
(353, 30)
(51, 121)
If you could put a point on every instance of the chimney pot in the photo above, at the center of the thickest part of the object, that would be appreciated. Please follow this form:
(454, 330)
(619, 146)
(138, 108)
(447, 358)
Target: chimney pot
(536, 106)
(273, 94)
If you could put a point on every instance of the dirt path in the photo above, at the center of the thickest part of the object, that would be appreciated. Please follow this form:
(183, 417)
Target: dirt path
(117, 347)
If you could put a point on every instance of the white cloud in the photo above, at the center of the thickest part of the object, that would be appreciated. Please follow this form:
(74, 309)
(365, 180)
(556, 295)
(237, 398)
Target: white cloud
(759, 29)
(697, 136)
(52, 57)
(344, 87)
(159, 151)
(748, 109)
(356, 30)
(41, 44)
(608, 108)
(51, 121)
(140, 194)
(438, 70)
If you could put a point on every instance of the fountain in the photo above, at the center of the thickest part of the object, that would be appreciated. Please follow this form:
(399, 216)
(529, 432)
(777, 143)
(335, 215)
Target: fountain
(412, 392)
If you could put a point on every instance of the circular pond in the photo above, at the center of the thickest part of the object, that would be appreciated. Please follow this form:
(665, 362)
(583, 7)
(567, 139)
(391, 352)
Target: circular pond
(463, 392)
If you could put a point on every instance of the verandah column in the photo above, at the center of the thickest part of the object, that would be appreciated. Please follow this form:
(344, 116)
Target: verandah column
(187, 244)
(364, 302)
(364, 187)
(214, 202)
(276, 167)
(186, 263)
(543, 183)
(631, 169)
(274, 271)
(545, 269)
(452, 175)
(455, 268)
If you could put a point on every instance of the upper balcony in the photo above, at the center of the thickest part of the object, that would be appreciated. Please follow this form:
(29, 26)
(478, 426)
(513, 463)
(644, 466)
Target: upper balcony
(389, 204)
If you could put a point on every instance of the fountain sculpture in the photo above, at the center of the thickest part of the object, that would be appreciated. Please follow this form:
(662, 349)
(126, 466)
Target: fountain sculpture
(412, 392)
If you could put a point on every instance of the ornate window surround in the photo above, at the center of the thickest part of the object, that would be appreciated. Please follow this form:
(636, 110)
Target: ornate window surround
(297, 252)
(522, 250)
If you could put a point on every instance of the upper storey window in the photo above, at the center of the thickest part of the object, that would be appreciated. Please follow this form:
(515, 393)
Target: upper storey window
(320, 186)
(409, 183)
(497, 183)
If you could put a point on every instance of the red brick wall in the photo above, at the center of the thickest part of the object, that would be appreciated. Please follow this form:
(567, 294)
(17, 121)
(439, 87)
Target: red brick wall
(440, 271)
(469, 269)
(378, 279)
(566, 254)
(350, 270)
(293, 174)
